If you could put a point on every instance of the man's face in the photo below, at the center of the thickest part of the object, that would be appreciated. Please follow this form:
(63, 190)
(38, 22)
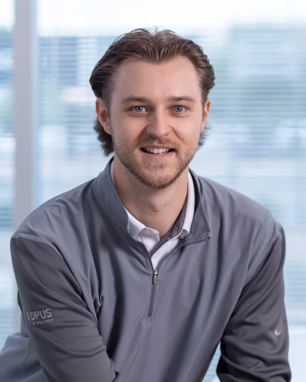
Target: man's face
(155, 118)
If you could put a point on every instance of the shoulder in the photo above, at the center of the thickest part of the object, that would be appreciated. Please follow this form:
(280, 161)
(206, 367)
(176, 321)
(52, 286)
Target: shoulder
(228, 202)
(245, 229)
(55, 217)
(237, 218)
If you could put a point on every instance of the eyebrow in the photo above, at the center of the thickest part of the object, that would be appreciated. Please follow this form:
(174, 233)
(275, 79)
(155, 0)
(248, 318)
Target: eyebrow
(181, 98)
(135, 99)
(130, 99)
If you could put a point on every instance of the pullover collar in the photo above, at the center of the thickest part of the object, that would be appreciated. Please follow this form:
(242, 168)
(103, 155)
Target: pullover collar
(109, 202)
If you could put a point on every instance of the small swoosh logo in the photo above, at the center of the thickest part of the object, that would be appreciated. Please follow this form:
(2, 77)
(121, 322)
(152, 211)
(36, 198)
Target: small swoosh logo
(277, 333)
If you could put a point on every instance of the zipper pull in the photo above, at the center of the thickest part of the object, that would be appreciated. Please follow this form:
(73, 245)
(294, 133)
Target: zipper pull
(155, 274)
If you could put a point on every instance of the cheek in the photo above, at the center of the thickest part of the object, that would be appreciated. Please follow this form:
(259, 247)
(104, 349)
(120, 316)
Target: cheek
(126, 133)
(191, 133)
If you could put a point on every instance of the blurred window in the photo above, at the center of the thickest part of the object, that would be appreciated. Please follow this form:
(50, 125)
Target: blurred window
(7, 147)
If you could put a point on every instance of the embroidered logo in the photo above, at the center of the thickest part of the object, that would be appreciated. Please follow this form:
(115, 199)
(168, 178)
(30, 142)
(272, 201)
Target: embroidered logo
(38, 317)
(277, 333)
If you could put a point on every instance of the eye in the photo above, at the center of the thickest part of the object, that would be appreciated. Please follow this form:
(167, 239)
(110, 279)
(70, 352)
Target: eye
(179, 109)
(139, 109)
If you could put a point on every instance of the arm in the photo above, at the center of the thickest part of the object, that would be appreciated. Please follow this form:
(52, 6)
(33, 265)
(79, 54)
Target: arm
(254, 346)
(62, 331)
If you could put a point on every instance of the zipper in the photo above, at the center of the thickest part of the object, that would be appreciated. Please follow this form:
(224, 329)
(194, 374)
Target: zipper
(155, 275)
(153, 292)
(154, 281)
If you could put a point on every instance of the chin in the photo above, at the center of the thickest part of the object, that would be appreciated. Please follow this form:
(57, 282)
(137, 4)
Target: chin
(157, 182)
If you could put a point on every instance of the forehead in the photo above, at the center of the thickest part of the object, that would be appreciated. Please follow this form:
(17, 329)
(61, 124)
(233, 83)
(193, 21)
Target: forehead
(174, 77)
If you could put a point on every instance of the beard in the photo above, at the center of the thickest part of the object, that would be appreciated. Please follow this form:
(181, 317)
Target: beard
(153, 174)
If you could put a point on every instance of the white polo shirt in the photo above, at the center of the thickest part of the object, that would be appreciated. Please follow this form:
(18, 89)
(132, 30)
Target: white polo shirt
(150, 237)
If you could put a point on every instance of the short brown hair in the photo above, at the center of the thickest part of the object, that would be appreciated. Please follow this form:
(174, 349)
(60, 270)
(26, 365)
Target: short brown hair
(153, 46)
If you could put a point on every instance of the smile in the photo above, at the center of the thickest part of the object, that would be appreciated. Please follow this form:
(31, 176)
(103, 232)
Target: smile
(156, 150)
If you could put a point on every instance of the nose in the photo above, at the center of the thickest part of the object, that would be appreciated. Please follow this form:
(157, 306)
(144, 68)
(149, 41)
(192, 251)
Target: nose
(158, 124)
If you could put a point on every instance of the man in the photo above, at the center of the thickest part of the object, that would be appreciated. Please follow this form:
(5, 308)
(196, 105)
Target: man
(137, 275)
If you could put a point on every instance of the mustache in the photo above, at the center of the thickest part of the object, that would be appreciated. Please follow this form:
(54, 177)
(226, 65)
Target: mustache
(148, 142)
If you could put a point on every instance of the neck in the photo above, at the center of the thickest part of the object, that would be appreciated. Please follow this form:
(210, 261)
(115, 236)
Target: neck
(155, 208)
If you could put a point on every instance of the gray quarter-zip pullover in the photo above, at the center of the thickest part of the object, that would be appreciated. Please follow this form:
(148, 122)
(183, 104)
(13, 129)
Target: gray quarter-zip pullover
(94, 309)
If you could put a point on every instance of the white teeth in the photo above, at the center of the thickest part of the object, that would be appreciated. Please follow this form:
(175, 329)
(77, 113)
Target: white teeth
(155, 150)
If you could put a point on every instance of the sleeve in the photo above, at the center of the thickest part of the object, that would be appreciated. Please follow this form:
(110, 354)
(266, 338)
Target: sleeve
(62, 331)
(254, 346)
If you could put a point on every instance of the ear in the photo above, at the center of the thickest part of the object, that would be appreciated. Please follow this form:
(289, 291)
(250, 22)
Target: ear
(103, 115)
(206, 110)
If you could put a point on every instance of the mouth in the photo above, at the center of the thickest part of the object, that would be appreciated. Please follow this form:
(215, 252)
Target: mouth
(157, 150)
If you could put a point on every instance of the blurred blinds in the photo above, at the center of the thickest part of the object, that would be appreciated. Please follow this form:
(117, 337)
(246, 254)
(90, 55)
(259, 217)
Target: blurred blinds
(257, 141)
(70, 153)
(7, 291)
